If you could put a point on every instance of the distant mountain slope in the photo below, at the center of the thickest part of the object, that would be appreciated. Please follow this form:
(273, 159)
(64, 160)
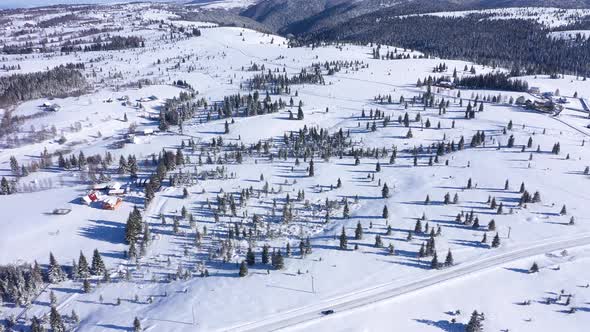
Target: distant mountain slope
(299, 17)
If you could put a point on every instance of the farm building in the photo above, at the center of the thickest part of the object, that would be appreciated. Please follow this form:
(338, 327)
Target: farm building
(117, 192)
(111, 203)
(92, 196)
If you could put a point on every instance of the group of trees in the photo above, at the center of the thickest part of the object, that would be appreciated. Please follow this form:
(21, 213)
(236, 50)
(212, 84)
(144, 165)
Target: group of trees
(60, 81)
(280, 83)
(492, 81)
(98, 44)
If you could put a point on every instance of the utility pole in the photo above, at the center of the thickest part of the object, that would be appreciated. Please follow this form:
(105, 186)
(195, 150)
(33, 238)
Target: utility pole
(312, 285)
(509, 229)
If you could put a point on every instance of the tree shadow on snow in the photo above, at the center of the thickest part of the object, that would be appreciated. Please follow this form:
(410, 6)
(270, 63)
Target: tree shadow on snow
(444, 325)
(103, 230)
(115, 327)
(515, 269)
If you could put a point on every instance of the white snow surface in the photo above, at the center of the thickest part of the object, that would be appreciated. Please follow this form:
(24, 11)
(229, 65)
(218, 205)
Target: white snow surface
(214, 65)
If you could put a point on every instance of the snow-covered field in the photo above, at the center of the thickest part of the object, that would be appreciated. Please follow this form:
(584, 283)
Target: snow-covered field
(166, 287)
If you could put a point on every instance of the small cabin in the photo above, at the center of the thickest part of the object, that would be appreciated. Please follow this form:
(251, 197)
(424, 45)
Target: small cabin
(92, 196)
(53, 108)
(114, 186)
(117, 192)
(535, 90)
(112, 203)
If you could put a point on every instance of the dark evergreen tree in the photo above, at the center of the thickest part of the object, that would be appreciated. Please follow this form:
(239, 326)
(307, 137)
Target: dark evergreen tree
(243, 269)
(97, 268)
(475, 323)
(358, 233)
(496, 241)
(343, 240)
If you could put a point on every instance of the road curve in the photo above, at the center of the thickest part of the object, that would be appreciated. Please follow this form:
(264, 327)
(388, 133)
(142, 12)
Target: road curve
(366, 297)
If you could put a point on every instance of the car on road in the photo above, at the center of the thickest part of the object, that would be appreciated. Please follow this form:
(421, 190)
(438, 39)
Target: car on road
(327, 312)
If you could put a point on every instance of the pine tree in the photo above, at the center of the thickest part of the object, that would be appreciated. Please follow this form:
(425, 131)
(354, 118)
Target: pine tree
(265, 257)
(343, 240)
(55, 321)
(449, 261)
(492, 225)
(563, 211)
(496, 241)
(133, 227)
(243, 269)
(385, 191)
(345, 210)
(474, 324)
(418, 227)
(55, 274)
(358, 233)
(86, 286)
(534, 268)
(422, 251)
(311, 168)
(385, 213)
(149, 194)
(378, 241)
(97, 268)
(279, 261)
(36, 325)
(136, 325)
(83, 269)
(250, 257)
(434, 263)
(300, 115)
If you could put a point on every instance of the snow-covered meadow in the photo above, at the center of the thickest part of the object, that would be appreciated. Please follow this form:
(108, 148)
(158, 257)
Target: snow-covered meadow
(216, 64)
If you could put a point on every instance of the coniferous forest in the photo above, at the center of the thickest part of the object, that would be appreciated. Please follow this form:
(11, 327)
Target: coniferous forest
(521, 45)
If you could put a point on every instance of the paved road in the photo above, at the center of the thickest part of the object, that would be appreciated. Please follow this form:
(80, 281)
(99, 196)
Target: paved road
(367, 297)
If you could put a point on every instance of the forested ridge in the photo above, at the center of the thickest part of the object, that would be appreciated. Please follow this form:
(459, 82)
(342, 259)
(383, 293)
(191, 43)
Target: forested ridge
(517, 44)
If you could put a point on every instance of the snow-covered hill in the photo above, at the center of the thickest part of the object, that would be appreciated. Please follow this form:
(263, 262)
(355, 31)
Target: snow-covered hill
(239, 176)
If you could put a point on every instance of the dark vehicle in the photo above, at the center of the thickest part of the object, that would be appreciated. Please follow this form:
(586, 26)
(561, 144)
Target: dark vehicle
(327, 312)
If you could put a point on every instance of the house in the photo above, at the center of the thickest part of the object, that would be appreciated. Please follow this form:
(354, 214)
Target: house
(535, 90)
(112, 203)
(545, 106)
(117, 192)
(445, 84)
(114, 186)
(53, 108)
(100, 186)
(92, 196)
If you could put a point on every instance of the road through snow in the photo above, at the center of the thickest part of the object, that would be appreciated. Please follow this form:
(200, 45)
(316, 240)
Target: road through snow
(366, 297)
